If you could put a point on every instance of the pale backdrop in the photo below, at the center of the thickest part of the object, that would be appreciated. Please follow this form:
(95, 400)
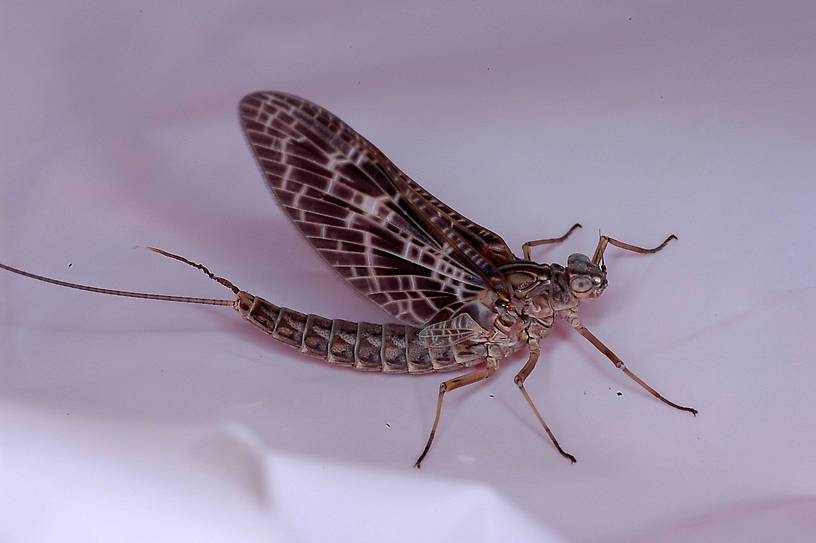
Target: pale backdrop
(136, 421)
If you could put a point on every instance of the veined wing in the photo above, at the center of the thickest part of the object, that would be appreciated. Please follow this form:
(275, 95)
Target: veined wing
(460, 328)
(391, 239)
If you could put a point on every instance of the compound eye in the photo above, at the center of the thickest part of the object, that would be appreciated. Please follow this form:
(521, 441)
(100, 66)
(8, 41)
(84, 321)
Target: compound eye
(580, 283)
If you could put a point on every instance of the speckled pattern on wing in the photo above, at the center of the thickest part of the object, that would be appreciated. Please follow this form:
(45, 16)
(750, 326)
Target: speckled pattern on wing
(392, 240)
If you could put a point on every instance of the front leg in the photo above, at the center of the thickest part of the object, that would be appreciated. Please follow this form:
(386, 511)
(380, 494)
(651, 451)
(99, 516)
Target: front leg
(527, 246)
(602, 243)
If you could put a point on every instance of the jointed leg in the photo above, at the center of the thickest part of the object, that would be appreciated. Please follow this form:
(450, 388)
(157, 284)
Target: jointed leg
(526, 247)
(619, 364)
(519, 380)
(599, 251)
(452, 384)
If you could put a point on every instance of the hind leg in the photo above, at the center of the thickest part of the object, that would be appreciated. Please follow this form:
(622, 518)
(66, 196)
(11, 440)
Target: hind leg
(474, 376)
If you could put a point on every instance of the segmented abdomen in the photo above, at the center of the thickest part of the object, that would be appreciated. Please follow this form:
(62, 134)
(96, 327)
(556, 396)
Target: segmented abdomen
(390, 348)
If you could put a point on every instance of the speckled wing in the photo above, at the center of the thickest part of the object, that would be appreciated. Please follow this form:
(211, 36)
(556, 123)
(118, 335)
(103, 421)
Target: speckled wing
(388, 237)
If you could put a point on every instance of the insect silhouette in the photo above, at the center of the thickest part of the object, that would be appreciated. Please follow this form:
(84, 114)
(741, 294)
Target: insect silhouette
(463, 299)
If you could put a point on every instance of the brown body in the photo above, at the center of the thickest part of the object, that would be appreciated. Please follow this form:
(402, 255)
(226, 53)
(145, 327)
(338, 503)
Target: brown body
(389, 348)
(464, 298)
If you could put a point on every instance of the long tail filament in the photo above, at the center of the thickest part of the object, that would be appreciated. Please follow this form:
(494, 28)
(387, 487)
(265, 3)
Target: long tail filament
(185, 299)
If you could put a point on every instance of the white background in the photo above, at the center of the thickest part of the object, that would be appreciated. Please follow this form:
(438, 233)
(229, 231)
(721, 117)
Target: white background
(136, 420)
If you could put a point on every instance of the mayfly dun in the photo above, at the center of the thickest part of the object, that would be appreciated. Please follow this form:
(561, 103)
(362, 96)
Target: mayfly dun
(462, 298)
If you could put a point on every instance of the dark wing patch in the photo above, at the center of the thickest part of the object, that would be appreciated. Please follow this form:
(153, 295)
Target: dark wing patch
(388, 237)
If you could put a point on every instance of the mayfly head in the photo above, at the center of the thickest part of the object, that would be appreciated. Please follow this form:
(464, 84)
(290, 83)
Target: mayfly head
(586, 280)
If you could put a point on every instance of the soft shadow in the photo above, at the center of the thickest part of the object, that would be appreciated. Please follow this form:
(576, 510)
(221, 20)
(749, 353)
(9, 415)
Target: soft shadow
(773, 519)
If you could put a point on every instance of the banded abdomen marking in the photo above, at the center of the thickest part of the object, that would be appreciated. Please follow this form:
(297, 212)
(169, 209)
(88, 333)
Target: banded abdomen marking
(390, 348)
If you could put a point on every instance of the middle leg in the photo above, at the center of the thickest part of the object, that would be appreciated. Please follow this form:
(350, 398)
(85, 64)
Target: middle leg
(519, 380)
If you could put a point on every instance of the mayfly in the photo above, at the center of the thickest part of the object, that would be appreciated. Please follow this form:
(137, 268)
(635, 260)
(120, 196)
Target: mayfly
(463, 299)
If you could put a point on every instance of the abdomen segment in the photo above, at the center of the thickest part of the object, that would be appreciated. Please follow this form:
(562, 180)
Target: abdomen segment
(390, 348)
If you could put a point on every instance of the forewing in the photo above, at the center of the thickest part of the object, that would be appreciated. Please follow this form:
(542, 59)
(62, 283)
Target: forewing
(393, 241)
